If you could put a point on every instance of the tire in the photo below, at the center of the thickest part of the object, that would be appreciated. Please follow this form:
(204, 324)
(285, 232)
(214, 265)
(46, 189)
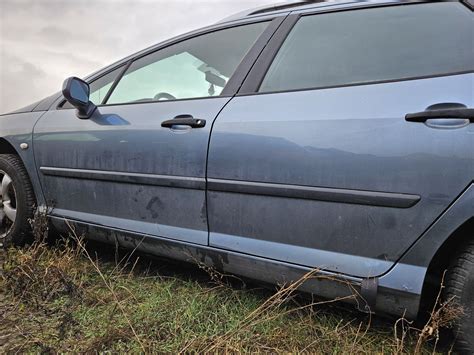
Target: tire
(17, 201)
(460, 288)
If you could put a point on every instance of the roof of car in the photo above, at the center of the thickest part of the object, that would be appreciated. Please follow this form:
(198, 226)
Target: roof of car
(296, 5)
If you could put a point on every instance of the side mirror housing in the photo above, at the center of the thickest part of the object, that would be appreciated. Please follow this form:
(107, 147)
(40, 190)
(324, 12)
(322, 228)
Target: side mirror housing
(76, 91)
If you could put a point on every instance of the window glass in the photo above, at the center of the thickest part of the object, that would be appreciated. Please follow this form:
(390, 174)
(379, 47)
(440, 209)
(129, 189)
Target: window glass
(100, 87)
(198, 67)
(369, 45)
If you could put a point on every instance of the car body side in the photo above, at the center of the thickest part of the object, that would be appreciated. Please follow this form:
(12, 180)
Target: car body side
(397, 290)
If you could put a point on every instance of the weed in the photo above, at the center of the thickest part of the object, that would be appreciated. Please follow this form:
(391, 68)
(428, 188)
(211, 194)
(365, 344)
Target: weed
(61, 299)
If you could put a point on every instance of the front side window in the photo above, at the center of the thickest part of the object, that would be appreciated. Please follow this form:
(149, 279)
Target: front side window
(197, 67)
(374, 45)
(100, 87)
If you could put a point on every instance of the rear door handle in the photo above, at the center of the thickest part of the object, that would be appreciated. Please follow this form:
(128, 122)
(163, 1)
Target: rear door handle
(447, 113)
(184, 120)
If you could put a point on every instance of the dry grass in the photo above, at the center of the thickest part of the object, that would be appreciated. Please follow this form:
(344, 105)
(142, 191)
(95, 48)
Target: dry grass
(63, 298)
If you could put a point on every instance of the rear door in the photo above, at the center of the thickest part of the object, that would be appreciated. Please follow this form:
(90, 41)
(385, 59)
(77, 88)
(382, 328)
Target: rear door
(129, 166)
(314, 162)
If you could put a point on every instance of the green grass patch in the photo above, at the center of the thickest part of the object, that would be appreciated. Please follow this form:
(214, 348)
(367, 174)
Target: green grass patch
(64, 299)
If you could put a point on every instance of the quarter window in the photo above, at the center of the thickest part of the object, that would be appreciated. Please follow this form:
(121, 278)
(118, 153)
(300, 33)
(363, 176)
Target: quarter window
(374, 45)
(100, 87)
(197, 67)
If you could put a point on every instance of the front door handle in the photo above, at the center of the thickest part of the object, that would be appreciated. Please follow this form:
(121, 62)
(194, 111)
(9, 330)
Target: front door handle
(447, 113)
(184, 120)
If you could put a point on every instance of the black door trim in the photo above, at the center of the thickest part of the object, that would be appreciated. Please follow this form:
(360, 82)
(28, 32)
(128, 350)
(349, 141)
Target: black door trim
(183, 182)
(359, 197)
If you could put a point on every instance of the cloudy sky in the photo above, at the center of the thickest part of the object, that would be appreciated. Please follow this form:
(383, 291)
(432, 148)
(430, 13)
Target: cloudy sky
(44, 41)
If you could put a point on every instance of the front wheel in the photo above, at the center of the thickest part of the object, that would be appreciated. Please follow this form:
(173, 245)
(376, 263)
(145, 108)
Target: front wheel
(17, 201)
(460, 288)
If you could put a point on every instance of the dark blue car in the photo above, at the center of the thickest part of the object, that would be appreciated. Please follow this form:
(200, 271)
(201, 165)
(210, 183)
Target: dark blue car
(336, 136)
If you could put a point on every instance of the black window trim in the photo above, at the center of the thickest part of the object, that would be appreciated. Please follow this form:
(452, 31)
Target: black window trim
(469, 4)
(116, 81)
(245, 66)
(265, 60)
(235, 81)
(255, 78)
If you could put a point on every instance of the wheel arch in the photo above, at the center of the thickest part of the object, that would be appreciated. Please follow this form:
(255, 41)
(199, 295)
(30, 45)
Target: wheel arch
(441, 260)
(418, 274)
(6, 147)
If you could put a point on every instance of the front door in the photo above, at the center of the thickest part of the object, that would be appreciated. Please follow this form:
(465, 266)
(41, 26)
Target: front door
(320, 166)
(128, 168)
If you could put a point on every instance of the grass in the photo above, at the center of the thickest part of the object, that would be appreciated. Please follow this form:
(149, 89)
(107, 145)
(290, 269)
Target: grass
(74, 297)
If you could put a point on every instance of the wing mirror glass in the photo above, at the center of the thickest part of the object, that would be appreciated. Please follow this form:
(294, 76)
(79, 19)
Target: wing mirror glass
(76, 91)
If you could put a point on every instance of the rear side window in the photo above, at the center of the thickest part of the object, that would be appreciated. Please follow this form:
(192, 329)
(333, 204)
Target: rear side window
(373, 45)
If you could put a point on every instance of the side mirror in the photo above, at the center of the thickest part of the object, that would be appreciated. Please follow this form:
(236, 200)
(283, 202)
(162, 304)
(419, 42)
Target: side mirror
(76, 91)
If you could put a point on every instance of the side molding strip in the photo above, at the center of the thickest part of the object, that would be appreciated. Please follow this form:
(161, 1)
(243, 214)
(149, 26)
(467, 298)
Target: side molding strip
(360, 197)
(183, 182)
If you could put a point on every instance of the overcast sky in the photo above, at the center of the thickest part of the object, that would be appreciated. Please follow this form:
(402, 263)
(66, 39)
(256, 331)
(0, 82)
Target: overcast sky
(44, 41)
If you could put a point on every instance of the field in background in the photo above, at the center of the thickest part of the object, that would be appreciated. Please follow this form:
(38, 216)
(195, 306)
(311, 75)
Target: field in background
(76, 297)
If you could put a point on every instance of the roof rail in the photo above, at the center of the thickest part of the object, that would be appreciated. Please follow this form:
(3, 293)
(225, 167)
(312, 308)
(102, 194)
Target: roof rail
(268, 8)
(284, 6)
